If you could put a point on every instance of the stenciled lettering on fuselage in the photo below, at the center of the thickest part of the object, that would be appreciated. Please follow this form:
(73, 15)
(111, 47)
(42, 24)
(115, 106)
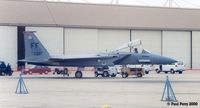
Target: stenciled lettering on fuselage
(35, 47)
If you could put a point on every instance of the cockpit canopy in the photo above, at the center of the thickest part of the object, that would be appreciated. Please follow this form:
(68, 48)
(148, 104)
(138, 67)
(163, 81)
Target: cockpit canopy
(143, 51)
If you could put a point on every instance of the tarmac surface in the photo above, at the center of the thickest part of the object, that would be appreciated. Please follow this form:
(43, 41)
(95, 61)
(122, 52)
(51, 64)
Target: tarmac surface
(55, 91)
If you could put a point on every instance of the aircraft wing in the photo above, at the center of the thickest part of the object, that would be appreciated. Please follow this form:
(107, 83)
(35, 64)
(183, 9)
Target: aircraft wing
(80, 57)
(81, 61)
(35, 62)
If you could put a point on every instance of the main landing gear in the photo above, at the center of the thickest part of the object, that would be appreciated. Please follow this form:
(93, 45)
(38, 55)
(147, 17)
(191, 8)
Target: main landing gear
(78, 73)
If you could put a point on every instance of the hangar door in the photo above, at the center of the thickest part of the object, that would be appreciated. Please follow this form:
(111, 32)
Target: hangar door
(176, 44)
(195, 49)
(151, 40)
(51, 38)
(111, 39)
(8, 45)
(80, 41)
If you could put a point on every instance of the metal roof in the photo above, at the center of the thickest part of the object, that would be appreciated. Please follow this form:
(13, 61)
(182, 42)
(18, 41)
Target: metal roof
(37, 13)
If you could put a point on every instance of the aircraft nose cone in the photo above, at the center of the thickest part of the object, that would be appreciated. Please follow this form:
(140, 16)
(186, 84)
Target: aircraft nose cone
(167, 60)
(170, 60)
(157, 59)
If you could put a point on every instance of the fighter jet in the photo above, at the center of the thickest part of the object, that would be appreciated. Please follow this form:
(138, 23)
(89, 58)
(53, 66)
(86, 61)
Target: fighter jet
(36, 54)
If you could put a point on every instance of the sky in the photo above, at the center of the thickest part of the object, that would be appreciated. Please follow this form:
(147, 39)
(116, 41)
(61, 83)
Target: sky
(160, 3)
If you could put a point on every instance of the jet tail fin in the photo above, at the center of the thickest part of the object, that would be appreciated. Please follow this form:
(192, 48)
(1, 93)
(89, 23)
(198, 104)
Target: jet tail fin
(34, 50)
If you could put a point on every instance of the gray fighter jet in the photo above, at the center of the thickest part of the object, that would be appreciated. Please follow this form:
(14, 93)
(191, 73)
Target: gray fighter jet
(36, 54)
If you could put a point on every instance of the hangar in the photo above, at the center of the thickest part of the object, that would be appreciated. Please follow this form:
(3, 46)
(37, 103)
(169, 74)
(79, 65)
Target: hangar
(75, 28)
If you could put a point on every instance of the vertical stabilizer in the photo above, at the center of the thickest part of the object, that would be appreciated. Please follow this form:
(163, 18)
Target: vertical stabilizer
(34, 50)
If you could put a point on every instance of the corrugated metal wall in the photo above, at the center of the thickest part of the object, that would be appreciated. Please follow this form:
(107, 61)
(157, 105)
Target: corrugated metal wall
(151, 40)
(196, 49)
(8, 45)
(111, 39)
(175, 44)
(51, 37)
(79, 41)
(97, 16)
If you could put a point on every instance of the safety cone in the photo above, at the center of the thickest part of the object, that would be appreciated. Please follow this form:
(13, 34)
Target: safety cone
(168, 93)
(21, 87)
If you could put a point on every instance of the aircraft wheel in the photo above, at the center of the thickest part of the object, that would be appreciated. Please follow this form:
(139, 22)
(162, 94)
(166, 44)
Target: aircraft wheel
(172, 71)
(56, 71)
(139, 74)
(10, 74)
(124, 74)
(59, 72)
(30, 72)
(166, 72)
(96, 74)
(65, 71)
(105, 74)
(180, 72)
(78, 74)
(113, 75)
(158, 71)
(146, 72)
